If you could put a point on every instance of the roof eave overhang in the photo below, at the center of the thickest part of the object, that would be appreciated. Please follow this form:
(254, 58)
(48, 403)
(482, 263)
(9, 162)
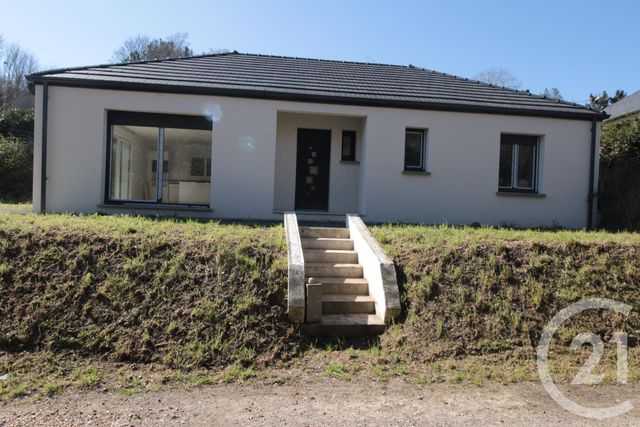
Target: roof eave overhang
(314, 98)
(623, 116)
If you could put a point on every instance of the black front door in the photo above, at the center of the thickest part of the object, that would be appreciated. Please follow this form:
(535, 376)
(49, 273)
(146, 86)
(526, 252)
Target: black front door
(312, 172)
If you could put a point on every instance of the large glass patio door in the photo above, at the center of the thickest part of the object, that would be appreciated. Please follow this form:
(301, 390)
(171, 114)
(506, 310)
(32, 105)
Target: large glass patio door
(159, 158)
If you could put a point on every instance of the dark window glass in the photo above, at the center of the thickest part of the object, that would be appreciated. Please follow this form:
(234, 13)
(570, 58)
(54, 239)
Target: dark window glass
(414, 150)
(506, 161)
(526, 164)
(197, 166)
(154, 166)
(349, 145)
(518, 158)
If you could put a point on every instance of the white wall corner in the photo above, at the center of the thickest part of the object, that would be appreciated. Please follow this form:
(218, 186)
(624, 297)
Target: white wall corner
(595, 220)
(296, 286)
(377, 268)
(37, 150)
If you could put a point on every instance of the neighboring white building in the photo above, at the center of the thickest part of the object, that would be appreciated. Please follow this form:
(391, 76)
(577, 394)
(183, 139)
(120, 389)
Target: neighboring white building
(250, 137)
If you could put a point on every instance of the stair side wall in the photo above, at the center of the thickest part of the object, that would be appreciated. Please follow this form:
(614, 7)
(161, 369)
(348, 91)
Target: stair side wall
(295, 284)
(377, 268)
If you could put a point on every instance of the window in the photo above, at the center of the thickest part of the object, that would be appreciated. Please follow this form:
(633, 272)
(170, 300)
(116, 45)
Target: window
(158, 158)
(414, 150)
(518, 163)
(200, 167)
(349, 145)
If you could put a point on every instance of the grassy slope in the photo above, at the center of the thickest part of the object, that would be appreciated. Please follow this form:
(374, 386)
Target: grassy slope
(15, 207)
(190, 295)
(470, 292)
(183, 294)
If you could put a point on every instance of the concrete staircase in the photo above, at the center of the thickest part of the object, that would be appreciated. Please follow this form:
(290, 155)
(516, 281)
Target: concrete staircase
(331, 261)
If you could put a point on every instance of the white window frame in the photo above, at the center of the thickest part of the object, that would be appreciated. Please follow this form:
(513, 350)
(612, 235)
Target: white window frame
(423, 150)
(515, 152)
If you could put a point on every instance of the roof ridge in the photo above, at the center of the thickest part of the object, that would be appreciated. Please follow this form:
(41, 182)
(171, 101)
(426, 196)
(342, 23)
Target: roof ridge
(114, 64)
(341, 61)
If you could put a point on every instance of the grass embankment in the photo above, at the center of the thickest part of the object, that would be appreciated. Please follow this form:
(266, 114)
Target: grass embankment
(205, 302)
(15, 207)
(478, 299)
(182, 295)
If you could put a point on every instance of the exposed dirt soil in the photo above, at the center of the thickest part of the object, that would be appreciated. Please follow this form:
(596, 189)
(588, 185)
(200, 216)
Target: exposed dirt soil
(322, 402)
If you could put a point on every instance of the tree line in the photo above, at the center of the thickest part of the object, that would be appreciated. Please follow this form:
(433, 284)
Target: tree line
(502, 77)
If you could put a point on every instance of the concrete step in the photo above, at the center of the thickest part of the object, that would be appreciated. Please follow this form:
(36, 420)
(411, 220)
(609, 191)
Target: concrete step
(345, 325)
(331, 255)
(340, 233)
(328, 269)
(326, 243)
(347, 304)
(343, 285)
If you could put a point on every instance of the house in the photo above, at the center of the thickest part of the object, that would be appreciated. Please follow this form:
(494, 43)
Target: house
(627, 107)
(252, 136)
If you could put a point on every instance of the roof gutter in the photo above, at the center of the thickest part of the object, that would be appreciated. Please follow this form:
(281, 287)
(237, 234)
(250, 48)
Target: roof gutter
(314, 98)
(43, 161)
(592, 173)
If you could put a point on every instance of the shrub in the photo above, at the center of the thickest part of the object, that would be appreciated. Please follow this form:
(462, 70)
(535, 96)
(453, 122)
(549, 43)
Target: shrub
(619, 199)
(17, 123)
(16, 169)
(620, 141)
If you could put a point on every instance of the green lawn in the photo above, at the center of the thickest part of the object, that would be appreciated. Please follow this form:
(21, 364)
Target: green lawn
(454, 235)
(15, 207)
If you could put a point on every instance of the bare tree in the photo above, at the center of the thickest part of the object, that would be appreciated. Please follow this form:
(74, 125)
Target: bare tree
(499, 77)
(553, 93)
(131, 46)
(144, 48)
(17, 63)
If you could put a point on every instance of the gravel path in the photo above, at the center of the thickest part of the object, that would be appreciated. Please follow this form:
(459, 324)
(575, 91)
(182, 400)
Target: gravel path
(320, 402)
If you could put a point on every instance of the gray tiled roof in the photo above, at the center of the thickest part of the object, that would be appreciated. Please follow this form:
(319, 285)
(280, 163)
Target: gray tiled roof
(625, 107)
(314, 80)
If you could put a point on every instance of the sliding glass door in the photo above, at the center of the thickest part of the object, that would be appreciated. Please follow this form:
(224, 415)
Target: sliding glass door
(188, 177)
(122, 172)
(159, 158)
